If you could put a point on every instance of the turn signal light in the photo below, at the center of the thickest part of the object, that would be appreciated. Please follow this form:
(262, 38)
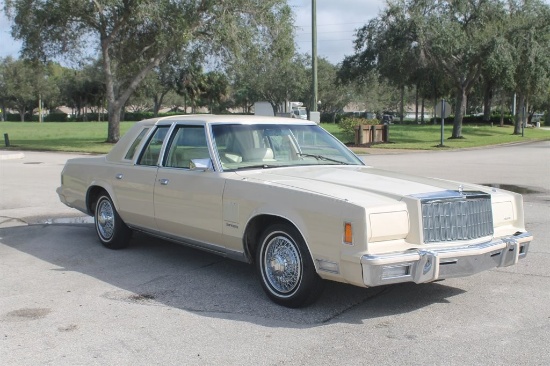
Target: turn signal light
(348, 233)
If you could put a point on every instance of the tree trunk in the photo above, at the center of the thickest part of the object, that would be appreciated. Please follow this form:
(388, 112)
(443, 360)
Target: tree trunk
(487, 101)
(501, 113)
(402, 109)
(117, 99)
(3, 113)
(422, 112)
(519, 113)
(156, 106)
(113, 129)
(416, 105)
(434, 116)
(461, 99)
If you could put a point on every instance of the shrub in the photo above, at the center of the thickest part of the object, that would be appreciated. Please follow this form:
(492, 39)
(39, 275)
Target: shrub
(56, 117)
(348, 124)
(331, 117)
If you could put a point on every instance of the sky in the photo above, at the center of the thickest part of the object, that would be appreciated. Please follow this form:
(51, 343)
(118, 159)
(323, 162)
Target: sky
(336, 25)
(337, 21)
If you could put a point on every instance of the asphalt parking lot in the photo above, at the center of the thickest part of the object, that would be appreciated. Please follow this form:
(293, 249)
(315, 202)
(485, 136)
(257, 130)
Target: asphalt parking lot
(66, 300)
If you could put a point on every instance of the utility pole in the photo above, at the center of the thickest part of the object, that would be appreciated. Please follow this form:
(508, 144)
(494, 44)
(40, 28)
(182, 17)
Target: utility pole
(315, 116)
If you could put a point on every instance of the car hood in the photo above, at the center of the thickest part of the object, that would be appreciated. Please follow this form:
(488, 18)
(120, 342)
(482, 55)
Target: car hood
(354, 183)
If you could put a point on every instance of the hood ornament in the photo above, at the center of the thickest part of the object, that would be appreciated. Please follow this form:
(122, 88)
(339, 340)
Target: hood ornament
(460, 189)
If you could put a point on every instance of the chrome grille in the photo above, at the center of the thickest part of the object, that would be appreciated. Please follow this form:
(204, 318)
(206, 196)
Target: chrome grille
(457, 216)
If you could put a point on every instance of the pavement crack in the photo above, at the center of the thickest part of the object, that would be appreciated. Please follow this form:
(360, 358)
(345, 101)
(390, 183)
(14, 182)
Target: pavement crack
(6, 221)
(382, 291)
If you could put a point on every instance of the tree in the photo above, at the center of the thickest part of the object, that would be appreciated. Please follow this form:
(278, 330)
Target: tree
(334, 96)
(51, 90)
(450, 38)
(386, 44)
(4, 97)
(19, 85)
(216, 89)
(84, 89)
(529, 35)
(160, 83)
(458, 37)
(190, 84)
(136, 36)
(272, 71)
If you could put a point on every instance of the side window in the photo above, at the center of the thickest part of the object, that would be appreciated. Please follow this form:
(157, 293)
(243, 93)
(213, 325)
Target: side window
(188, 143)
(150, 155)
(137, 141)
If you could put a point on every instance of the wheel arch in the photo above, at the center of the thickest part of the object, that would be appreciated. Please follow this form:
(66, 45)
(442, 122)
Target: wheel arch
(93, 193)
(256, 226)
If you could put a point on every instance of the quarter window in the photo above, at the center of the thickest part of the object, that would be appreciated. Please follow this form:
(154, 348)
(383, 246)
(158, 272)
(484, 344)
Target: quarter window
(137, 141)
(150, 155)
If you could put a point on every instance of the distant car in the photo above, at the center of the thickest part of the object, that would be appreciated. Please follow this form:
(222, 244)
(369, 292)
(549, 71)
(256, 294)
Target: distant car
(299, 113)
(537, 117)
(387, 119)
(287, 196)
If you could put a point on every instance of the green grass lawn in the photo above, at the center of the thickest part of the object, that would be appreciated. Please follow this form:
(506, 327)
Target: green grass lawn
(428, 137)
(89, 137)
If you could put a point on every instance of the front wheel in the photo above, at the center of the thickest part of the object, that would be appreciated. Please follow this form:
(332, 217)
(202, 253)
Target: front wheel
(111, 230)
(285, 268)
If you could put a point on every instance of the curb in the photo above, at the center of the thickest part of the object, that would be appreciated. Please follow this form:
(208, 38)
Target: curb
(11, 156)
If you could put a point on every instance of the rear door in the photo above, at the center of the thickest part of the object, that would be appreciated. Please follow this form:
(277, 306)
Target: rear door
(134, 184)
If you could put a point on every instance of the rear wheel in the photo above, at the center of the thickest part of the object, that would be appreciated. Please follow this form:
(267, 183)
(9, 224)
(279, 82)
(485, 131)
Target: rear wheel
(285, 268)
(111, 230)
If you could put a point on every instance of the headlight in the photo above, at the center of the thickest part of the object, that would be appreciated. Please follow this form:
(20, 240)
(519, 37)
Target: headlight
(388, 226)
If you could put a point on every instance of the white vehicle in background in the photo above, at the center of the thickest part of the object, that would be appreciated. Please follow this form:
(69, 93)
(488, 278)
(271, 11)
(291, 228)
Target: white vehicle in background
(287, 109)
(298, 110)
(263, 109)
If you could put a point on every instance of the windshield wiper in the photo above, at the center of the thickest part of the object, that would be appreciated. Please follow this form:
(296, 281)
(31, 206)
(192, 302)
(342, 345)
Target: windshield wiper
(321, 157)
(263, 166)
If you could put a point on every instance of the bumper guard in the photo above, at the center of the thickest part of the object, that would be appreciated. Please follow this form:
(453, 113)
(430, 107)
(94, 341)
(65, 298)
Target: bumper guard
(420, 265)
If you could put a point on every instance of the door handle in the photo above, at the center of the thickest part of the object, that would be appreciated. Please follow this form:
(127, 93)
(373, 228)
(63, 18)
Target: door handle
(119, 176)
(164, 182)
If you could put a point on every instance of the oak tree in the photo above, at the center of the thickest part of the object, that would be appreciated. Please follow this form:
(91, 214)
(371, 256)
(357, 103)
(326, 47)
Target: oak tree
(135, 36)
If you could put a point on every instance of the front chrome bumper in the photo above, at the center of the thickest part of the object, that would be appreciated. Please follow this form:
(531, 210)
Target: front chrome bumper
(419, 265)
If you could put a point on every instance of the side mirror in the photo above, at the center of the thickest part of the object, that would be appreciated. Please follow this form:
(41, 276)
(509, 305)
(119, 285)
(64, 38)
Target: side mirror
(201, 164)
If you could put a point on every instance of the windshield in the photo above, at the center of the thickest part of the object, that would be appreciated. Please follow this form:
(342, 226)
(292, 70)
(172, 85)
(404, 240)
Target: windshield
(268, 146)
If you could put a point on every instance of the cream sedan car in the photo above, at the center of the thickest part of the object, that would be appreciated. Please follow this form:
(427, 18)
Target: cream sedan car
(289, 197)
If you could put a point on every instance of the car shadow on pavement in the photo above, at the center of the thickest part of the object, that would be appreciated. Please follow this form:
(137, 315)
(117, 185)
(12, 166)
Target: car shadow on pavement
(153, 272)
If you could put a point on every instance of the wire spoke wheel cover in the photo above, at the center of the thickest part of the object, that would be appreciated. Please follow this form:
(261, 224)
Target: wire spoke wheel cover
(283, 264)
(105, 219)
(285, 268)
(111, 230)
